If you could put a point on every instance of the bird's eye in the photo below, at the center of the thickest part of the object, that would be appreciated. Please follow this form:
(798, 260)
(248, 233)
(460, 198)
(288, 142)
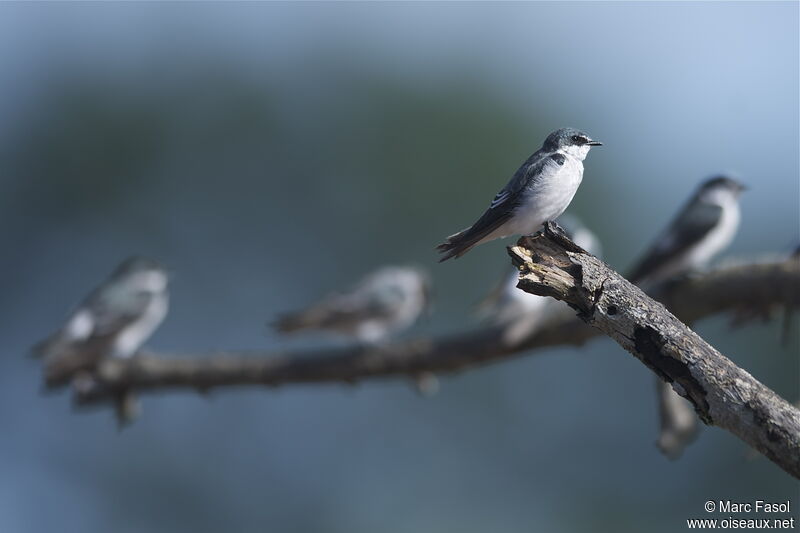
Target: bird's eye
(578, 139)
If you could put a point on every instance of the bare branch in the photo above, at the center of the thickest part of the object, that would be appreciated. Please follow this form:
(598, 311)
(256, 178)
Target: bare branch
(722, 393)
(748, 285)
(759, 286)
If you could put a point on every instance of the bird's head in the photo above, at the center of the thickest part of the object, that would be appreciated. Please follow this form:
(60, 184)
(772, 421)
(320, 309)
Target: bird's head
(142, 274)
(720, 187)
(570, 142)
(404, 284)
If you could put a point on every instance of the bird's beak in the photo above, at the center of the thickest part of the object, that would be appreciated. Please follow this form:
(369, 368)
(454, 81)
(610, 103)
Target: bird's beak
(594, 143)
(743, 187)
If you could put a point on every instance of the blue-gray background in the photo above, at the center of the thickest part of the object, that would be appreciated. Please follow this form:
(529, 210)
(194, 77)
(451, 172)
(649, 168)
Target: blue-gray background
(270, 152)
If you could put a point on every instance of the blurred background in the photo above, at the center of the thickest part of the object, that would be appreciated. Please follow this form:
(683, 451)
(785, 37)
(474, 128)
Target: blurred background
(269, 153)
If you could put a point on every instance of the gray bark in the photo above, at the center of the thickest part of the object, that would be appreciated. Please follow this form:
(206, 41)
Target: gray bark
(721, 393)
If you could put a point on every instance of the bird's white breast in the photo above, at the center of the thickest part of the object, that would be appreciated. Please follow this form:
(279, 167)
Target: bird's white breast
(719, 237)
(134, 335)
(549, 198)
(79, 326)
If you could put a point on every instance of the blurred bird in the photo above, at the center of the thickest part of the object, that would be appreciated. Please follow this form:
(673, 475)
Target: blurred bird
(118, 316)
(385, 302)
(539, 191)
(113, 321)
(704, 227)
(678, 421)
(523, 313)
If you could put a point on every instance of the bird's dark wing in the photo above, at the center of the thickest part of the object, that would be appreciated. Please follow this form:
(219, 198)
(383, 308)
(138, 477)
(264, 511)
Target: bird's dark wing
(113, 310)
(342, 311)
(502, 207)
(688, 228)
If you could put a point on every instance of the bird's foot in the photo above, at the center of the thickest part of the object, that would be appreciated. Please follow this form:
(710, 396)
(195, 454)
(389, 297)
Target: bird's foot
(552, 228)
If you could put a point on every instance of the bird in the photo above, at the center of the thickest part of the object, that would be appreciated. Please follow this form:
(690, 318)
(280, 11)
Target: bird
(704, 227)
(540, 190)
(118, 316)
(114, 320)
(522, 313)
(385, 302)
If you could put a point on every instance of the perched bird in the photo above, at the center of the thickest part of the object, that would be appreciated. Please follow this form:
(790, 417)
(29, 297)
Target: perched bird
(385, 302)
(704, 227)
(523, 313)
(118, 316)
(539, 191)
(113, 321)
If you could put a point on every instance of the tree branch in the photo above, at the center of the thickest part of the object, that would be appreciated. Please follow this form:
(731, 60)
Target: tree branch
(755, 286)
(722, 393)
(749, 286)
